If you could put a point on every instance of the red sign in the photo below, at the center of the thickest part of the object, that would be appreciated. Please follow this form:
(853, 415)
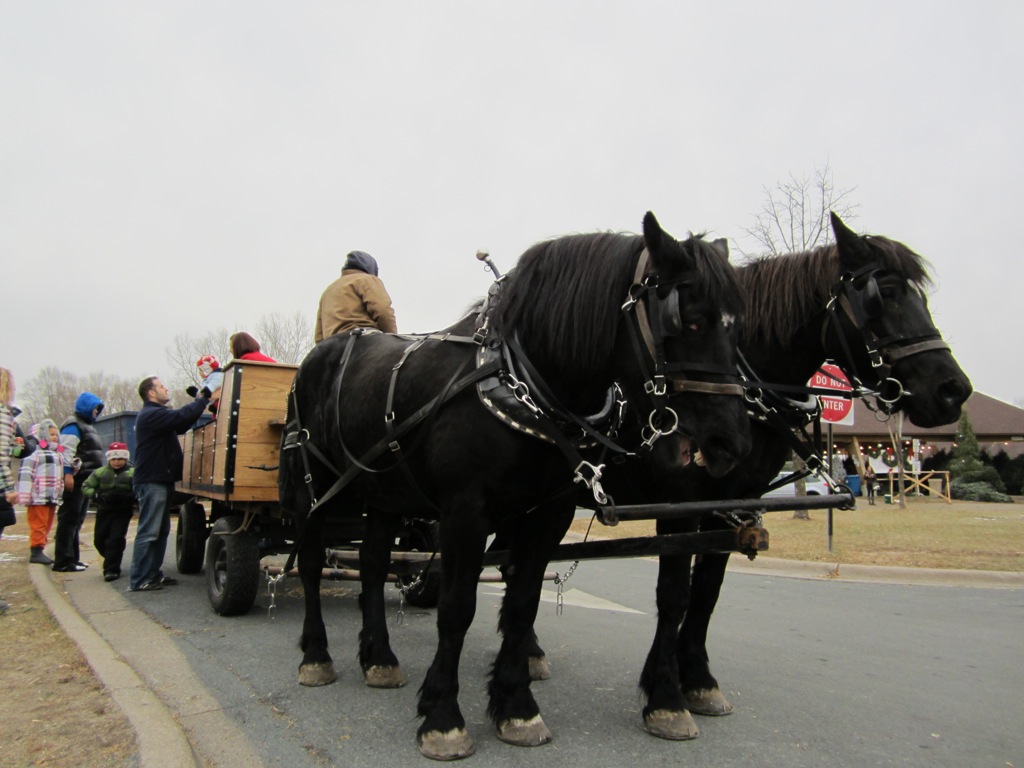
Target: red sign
(837, 410)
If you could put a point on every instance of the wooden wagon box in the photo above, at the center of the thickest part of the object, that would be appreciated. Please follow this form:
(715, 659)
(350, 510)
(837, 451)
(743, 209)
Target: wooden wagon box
(235, 457)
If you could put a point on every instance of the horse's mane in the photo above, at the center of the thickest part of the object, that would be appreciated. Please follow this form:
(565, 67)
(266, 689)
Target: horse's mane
(782, 292)
(563, 300)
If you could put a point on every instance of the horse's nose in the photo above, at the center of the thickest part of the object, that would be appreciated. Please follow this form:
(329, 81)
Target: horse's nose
(955, 390)
(722, 456)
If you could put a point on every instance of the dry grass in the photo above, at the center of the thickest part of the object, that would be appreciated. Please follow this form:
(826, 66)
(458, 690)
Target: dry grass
(55, 712)
(927, 534)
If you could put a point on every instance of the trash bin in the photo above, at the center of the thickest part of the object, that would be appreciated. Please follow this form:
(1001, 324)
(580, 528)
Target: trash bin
(853, 482)
(888, 498)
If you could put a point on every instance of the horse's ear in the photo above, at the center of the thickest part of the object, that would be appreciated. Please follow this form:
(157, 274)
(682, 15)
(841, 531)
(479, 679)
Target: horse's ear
(721, 247)
(654, 235)
(853, 251)
(666, 253)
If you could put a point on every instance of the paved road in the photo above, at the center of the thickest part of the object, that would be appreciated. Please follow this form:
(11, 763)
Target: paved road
(822, 672)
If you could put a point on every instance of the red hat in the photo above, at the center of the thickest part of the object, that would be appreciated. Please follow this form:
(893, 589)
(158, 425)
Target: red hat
(207, 364)
(118, 451)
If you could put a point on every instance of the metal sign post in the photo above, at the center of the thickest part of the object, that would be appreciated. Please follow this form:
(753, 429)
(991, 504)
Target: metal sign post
(831, 473)
(834, 410)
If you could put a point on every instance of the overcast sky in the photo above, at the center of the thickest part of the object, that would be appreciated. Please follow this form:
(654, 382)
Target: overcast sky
(170, 168)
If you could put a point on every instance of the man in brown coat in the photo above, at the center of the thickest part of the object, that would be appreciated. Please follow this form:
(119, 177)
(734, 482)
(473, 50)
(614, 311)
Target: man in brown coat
(357, 299)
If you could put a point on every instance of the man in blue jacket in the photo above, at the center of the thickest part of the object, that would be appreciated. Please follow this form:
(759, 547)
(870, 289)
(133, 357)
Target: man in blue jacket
(84, 449)
(158, 466)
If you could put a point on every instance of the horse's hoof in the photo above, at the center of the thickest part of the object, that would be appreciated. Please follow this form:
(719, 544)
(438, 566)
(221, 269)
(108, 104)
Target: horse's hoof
(321, 673)
(674, 725)
(451, 745)
(707, 701)
(524, 733)
(384, 677)
(539, 668)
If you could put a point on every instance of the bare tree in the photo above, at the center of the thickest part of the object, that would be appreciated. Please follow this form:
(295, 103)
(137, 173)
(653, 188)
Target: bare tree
(52, 394)
(185, 351)
(795, 218)
(795, 213)
(286, 339)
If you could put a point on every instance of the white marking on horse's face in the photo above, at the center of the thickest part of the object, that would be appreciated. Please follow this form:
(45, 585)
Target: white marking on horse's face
(728, 320)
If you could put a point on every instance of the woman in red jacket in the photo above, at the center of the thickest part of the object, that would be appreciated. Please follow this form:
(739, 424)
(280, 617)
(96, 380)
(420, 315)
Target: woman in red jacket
(245, 347)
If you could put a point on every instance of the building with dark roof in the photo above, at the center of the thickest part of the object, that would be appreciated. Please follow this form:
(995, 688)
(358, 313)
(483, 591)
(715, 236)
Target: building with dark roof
(997, 425)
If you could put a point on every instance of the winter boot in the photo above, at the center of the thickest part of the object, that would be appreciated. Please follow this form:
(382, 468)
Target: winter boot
(38, 556)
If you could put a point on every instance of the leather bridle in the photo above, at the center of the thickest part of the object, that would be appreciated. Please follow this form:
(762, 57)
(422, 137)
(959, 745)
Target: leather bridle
(847, 314)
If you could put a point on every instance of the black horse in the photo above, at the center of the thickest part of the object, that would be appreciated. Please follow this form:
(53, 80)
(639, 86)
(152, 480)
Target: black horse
(860, 302)
(387, 426)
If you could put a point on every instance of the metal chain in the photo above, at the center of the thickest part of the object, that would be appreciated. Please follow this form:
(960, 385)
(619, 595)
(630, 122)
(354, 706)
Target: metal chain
(400, 617)
(272, 582)
(559, 582)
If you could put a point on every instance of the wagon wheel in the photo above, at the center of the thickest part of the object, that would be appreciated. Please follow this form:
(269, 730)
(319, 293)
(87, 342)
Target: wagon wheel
(190, 537)
(232, 567)
(422, 591)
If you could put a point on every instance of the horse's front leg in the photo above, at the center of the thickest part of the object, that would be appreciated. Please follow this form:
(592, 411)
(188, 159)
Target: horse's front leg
(512, 707)
(700, 688)
(665, 714)
(540, 669)
(316, 667)
(379, 663)
(442, 735)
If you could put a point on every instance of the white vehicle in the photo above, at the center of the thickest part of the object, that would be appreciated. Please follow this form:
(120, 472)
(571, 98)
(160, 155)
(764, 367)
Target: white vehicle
(815, 487)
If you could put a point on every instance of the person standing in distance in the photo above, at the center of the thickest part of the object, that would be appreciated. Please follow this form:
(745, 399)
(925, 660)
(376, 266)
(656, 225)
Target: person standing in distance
(357, 299)
(158, 465)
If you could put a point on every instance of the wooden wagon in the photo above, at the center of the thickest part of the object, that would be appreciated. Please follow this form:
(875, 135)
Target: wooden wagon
(230, 516)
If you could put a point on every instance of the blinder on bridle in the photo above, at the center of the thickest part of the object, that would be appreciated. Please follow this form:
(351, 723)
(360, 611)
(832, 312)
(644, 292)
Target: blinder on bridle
(855, 301)
(662, 319)
(667, 316)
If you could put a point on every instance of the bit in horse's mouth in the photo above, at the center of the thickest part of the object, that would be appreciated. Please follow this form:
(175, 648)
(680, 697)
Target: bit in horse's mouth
(685, 446)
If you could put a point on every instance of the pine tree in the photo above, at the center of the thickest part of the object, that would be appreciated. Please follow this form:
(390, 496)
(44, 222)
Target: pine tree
(966, 456)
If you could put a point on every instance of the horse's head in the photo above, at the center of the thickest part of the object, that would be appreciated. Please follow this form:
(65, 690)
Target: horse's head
(883, 328)
(690, 300)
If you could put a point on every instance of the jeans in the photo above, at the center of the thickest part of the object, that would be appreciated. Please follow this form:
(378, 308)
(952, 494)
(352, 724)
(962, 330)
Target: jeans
(151, 535)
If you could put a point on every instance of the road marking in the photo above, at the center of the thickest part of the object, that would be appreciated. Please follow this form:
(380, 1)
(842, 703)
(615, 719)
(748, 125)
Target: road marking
(574, 597)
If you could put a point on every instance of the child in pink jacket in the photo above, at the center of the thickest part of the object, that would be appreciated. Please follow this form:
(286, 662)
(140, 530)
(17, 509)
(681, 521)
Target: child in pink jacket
(41, 486)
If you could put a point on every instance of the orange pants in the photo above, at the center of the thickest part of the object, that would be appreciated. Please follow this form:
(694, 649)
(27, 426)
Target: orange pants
(40, 521)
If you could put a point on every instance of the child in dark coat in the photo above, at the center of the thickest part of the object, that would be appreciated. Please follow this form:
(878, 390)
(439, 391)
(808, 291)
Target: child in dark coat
(110, 487)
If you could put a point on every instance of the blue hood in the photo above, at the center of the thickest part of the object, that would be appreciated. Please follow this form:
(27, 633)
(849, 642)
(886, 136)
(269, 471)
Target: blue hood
(362, 261)
(85, 404)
